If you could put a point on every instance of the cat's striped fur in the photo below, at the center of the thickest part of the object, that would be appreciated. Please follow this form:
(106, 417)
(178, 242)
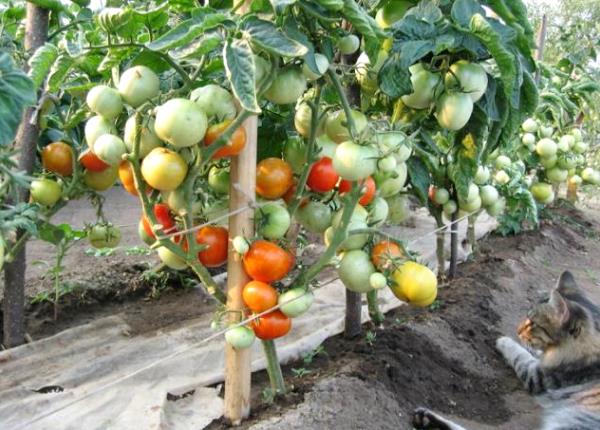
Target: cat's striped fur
(565, 375)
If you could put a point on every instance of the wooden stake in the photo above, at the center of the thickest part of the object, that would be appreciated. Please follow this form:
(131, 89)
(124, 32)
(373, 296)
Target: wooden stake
(541, 43)
(237, 362)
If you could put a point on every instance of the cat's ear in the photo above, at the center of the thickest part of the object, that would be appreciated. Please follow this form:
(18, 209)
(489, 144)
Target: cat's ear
(559, 304)
(567, 285)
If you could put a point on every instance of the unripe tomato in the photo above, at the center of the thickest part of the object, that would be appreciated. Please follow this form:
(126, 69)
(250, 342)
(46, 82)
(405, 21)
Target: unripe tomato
(470, 205)
(58, 158)
(440, 196)
(378, 281)
(148, 138)
(240, 337)
(175, 200)
(170, 259)
(355, 269)
(530, 125)
(424, 84)
(449, 208)
(337, 128)
(386, 255)
(528, 139)
(546, 147)
(387, 164)
(314, 216)
(549, 162)
(219, 179)
(502, 162)
(234, 145)
(272, 325)
(101, 181)
(267, 262)
(489, 195)
(391, 12)
(325, 146)
(95, 127)
(565, 142)
(391, 183)
(273, 178)
(496, 208)
(368, 186)
(127, 178)
(303, 121)
(353, 162)
(216, 102)
(296, 302)
(546, 131)
(349, 44)
(272, 221)
(557, 175)
(104, 236)
(580, 147)
(45, 191)
(398, 207)
(110, 149)
(240, 245)
(453, 110)
(366, 73)
(577, 135)
(468, 78)
(180, 122)
(104, 100)
(138, 85)
(294, 152)
(394, 142)
(575, 180)
(378, 212)
(259, 296)
(415, 284)
(91, 162)
(287, 87)
(501, 177)
(322, 65)
(163, 169)
(482, 175)
(542, 192)
(322, 177)
(216, 240)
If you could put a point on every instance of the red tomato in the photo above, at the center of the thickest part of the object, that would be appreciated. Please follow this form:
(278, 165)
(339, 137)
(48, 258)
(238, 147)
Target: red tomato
(274, 177)
(259, 296)
(267, 262)
(235, 144)
(58, 158)
(216, 239)
(92, 162)
(163, 216)
(322, 176)
(368, 185)
(384, 254)
(272, 325)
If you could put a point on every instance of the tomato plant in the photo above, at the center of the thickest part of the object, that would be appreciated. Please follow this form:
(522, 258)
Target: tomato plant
(215, 239)
(259, 296)
(272, 325)
(58, 158)
(234, 145)
(267, 262)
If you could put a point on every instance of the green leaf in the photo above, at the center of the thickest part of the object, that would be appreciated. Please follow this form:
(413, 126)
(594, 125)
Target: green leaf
(265, 35)
(240, 70)
(152, 60)
(16, 93)
(198, 47)
(59, 71)
(463, 10)
(334, 5)
(40, 62)
(393, 79)
(279, 6)
(50, 233)
(186, 32)
(413, 51)
(419, 178)
(529, 95)
(426, 10)
(364, 24)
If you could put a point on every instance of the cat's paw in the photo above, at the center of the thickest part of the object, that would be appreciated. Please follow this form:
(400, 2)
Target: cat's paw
(504, 344)
(424, 419)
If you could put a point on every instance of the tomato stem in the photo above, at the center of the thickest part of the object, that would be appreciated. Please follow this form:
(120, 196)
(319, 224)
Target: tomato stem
(374, 311)
(273, 367)
(471, 232)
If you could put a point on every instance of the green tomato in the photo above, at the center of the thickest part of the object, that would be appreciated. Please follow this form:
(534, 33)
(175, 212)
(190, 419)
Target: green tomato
(453, 110)
(355, 241)
(378, 212)
(240, 245)
(366, 73)
(449, 208)
(272, 221)
(566, 161)
(496, 208)
(399, 209)
(314, 216)
(467, 77)
(502, 162)
(175, 199)
(295, 302)
(575, 180)
(170, 259)
(287, 87)
(424, 84)
(377, 281)
(565, 142)
(303, 121)
(472, 193)
(336, 126)
(546, 148)
(471, 205)
(549, 162)
(387, 164)
(482, 175)
(441, 196)
(101, 181)
(104, 236)
(489, 195)
(353, 162)
(355, 270)
(349, 44)
(576, 133)
(326, 146)
(218, 180)
(542, 193)
(110, 149)
(104, 101)
(95, 127)
(394, 142)
(392, 12)
(138, 85)
(45, 191)
(546, 131)
(528, 139)
(181, 122)
(530, 125)
(391, 183)
(580, 147)
(240, 337)
(556, 175)
(322, 65)
(216, 102)
(359, 213)
(501, 177)
(148, 139)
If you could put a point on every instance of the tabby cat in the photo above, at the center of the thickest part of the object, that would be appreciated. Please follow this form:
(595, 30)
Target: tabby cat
(565, 375)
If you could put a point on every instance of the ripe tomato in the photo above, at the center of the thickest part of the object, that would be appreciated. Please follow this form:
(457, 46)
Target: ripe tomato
(91, 162)
(163, 169)
(216, 239)
(164, 218)
(259, 296)
(267, 262)
(126, 177)
(368, 186)
(273, 178)
(322, 177)
(272, 325)
(385, 254)
(234, 145)
(58, 158)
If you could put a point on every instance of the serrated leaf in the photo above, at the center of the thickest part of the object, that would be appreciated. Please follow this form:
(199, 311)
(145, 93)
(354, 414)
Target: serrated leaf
(186, 32)
(40, 63)
(59, 71)
(268, 37)
(463, 10)
(198, 47)
(364, 24)
(393, 79)
(419, 178)
(426, 10)
(16, 93)
(413, 51)
(240, 70)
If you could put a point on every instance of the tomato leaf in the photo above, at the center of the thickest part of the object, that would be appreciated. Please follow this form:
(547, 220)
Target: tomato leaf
(426, 11)
(365, 25)
(240, 70)
(198, 47)
(59, 71)
(268, 37)
(187, 31)
(279, 6)
(40, 62)
(394, 80)
(16, 92)
(419, 178)
(463, 10)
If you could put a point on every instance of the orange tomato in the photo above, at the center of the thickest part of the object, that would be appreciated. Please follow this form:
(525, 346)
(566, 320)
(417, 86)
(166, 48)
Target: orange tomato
(368, 186)
(127, 178)
(274, 177)
(267, 262)
(234, 146)
(385, 254)
(92, 162)
(58, 158)
(272, 325)
(216, 239)
(259, 296)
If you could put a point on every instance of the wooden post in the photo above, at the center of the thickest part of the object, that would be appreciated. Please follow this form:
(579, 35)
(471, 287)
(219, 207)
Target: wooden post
(453, 246)
(237, 362)
(36, 33)
(541, 43)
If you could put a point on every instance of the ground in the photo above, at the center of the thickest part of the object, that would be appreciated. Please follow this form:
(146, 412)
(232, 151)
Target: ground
(442, 358)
